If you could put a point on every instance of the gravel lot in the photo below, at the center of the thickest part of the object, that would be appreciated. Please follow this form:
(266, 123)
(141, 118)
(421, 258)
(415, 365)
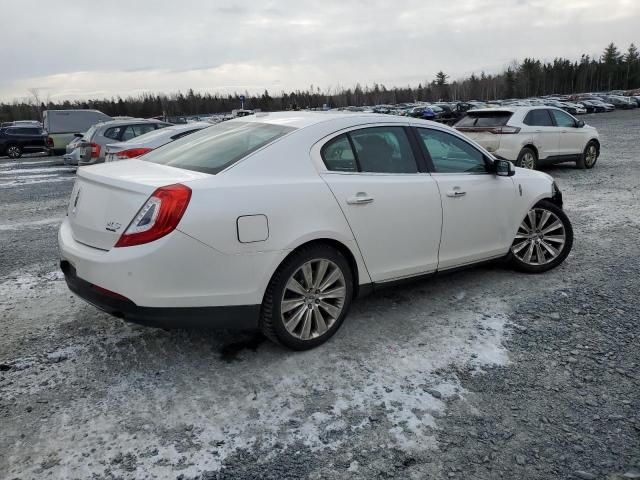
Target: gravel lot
(481, 374)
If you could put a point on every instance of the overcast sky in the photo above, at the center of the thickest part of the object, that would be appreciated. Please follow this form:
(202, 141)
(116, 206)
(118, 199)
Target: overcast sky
(80, 49)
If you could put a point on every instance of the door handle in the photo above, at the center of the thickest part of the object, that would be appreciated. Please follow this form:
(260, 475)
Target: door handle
(360, 198)
(456, 193)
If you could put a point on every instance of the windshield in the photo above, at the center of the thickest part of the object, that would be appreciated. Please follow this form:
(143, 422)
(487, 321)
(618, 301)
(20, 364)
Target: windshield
(485, 119)
(215, 148)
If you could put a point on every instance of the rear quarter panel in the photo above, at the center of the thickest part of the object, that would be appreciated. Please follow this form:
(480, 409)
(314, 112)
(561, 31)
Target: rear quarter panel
(279, 182)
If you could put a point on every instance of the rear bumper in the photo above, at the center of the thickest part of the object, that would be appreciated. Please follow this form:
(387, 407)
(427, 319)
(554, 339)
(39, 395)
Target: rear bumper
(238, 317)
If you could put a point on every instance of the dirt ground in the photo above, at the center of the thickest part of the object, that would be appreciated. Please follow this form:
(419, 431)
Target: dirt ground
(481, 374)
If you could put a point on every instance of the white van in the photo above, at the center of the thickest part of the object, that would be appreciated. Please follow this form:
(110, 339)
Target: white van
(62, 125)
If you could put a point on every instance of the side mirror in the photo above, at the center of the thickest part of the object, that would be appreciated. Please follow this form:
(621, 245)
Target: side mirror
(580, 124)
(503, 168)
(78, 135)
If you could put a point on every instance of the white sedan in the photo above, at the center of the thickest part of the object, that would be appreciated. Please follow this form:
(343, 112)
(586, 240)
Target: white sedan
(277, 221)
(150, 141)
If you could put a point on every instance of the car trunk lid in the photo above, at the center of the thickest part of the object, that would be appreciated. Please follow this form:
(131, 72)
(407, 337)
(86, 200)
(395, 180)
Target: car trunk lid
(106, 197)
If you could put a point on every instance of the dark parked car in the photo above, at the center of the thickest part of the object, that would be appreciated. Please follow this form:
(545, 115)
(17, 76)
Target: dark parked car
(451, 113)
(594, 106)
(14, 141)
(621, 102)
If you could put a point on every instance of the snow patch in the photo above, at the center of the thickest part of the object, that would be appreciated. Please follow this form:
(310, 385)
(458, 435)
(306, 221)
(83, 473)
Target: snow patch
(378, 375)
(21, 183)
(32, 224)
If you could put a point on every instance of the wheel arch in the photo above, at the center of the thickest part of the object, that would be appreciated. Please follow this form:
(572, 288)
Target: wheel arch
(596, 141)
(531, 146)
(339, 246)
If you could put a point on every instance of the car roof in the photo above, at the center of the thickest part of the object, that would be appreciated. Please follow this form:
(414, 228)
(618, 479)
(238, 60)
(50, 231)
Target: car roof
(307, 119)
(512, 109)
(128, 121)
(179, 127)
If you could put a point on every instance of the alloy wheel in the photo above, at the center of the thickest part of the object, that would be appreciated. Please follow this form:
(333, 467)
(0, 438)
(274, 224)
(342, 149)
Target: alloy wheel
(313, 299)
(540, 239)
(13, 152)
(591, 155)
(528, 161)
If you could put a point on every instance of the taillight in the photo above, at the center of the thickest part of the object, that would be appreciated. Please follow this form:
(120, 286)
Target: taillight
(132, 153)
(506, 130)
(49, 142)
(158, 217)
(496, 130)
(95, 150)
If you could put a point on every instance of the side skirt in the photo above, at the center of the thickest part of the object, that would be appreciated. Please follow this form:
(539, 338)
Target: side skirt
(369, 288)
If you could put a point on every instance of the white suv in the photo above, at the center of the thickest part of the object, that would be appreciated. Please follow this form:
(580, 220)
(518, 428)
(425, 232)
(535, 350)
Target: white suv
(530, 136)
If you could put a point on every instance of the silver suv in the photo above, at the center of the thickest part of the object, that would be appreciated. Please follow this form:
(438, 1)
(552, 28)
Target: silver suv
(92, 149)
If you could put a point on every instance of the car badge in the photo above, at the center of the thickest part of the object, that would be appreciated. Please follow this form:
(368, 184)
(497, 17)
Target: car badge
(113, 226)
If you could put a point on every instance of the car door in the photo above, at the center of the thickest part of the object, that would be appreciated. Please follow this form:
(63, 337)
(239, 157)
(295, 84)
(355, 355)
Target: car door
(546, 137)
(477, 205)
(34, 138)
(392, 206)
(571, 140)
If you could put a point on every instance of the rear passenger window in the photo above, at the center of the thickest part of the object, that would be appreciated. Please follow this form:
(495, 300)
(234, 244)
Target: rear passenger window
(133, 131)
(338, 156)
(383, 150)
(538, 118)
(113, 133)
(377, 150)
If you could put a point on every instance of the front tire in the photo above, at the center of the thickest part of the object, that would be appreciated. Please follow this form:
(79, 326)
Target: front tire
(544, 239)
(527, 159)
(589, 157)
(14, 151)
(308, 298)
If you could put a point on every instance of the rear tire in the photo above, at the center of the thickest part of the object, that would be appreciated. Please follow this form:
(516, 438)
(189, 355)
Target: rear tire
(307, 298)
(527, 159)
(14, 151)
(543, 241)
(589, 157)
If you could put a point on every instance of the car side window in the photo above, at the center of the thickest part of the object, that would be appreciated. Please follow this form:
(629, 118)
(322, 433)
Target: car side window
(451, 154)
(133, 131)
(383, 150)
(538, 118)
(113, 133)
(338, 156)
(562, 119)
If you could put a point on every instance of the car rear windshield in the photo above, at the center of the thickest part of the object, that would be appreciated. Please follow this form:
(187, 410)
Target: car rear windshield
(484, 119)
(215, 148)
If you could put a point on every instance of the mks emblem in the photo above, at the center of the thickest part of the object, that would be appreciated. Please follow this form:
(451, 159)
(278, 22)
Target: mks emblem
(113, 226)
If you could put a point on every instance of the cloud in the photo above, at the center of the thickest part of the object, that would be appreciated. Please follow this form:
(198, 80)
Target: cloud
(76, 48)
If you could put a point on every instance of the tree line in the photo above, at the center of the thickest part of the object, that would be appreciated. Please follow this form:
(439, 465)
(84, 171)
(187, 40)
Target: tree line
(613, 70)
